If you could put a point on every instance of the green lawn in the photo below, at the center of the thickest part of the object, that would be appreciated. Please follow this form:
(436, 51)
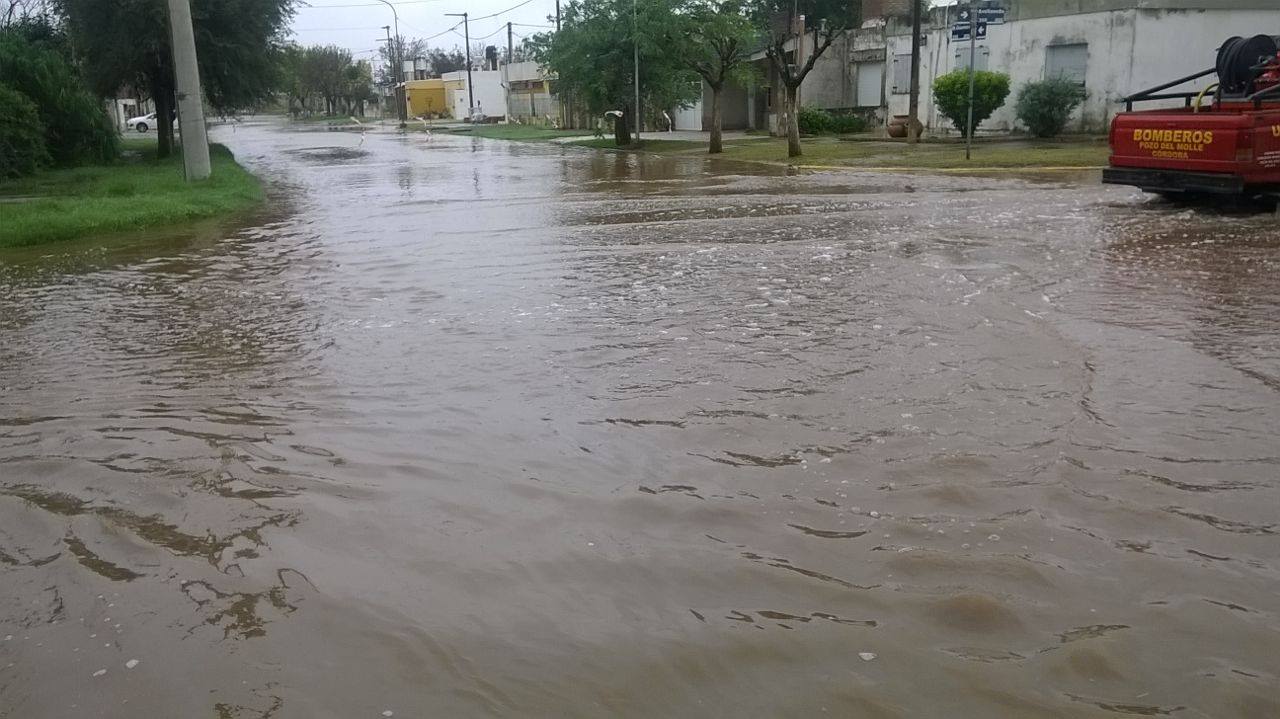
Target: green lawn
(325, 120)
(830, 152)
(136, 191)
(657, 146)
(525, 133)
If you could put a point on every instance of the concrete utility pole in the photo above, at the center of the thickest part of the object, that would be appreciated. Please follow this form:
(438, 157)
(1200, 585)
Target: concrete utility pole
(507, 71)
(186, 75)
(913, 111)
(394, 53)
(466, 35)
(973, 73)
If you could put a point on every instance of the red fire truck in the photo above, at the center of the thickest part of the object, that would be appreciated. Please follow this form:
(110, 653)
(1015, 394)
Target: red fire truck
(1224, 140)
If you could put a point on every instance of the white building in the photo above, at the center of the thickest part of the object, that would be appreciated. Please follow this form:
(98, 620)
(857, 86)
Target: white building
(1112, 47)
(488, 92)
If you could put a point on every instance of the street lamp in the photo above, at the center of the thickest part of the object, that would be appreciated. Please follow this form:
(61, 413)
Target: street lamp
(394, 53)
(466, 34)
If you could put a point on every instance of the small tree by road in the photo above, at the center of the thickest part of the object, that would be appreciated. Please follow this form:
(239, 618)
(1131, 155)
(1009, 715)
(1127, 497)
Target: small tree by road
(825, 21)
(1044, 107)
(592, 59)
(715, 38)
(952, 93)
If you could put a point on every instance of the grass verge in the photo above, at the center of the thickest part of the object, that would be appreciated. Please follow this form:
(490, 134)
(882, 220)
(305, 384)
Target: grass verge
(137, 191)
(655, 146)
(525, 133)
(827, 152)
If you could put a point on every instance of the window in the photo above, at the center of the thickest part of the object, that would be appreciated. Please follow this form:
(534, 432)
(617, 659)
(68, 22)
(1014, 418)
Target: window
(982, 57)
(1066, 61)
(901, 74)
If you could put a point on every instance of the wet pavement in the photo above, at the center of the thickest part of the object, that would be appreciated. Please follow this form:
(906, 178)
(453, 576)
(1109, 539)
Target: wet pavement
(470, 428)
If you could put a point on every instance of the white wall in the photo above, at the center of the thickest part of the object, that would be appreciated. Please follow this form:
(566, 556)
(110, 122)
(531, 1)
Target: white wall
(489, 93)
(1129, 50)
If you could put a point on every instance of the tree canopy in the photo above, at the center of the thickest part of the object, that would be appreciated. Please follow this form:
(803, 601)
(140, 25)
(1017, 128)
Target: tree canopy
(327, 76)
(592, 58)
(126, 42)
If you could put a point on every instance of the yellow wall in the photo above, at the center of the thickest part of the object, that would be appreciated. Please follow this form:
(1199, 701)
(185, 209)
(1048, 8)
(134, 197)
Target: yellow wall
(426, 96)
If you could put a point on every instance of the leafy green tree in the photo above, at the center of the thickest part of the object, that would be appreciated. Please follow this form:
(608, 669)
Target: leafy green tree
(76, 129)
(952, 93)
(591, 58)
(825, 21)
(126, 42)
(409, 48)
(22, 148)
(443, 61)
(716, 40)
(1044, 107)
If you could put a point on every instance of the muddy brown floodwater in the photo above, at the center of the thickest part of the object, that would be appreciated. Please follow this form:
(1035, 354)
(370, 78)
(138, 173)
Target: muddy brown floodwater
(467, 428)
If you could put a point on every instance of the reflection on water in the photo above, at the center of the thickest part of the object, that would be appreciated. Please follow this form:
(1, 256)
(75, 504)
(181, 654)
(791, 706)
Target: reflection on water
(462, 428)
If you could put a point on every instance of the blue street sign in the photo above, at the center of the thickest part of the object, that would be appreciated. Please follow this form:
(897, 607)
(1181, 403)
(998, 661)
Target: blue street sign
(989, 15)
(960, 30)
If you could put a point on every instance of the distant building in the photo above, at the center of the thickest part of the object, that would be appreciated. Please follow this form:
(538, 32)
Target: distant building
(529, 91)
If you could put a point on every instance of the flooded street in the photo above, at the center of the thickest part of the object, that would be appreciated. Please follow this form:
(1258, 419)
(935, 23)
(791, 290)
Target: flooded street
(462, 428)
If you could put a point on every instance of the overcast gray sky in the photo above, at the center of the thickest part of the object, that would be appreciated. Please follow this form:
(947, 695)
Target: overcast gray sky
(357, 24)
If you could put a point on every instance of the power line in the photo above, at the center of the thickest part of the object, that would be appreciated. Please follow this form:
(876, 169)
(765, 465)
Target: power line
(446, 32)
(502, 12)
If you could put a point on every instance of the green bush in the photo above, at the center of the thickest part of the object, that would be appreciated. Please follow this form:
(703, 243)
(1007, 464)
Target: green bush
(952, 93)
(76, 128)
(22, 149)
(814, 121)
(847, 124)
(1044, 107)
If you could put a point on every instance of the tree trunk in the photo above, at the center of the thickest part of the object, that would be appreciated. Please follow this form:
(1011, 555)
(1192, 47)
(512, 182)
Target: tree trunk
(621, 129)
(162, 96)
(717, 140)
(793, 121)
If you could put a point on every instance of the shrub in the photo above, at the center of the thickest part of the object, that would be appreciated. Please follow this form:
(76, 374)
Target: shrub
(76, 128)
(847, 124)
(814, 121)
(1044, 107)
(952, 93)
(22, 149)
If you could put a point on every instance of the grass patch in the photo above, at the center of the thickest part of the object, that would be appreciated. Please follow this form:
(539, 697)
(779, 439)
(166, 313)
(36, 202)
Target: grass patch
(135, 192)
(324, 120)
(660, 146)
(525, 133)
(828, 152)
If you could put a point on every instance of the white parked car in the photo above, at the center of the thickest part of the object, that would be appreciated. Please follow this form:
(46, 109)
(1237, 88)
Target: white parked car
(143, 123)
